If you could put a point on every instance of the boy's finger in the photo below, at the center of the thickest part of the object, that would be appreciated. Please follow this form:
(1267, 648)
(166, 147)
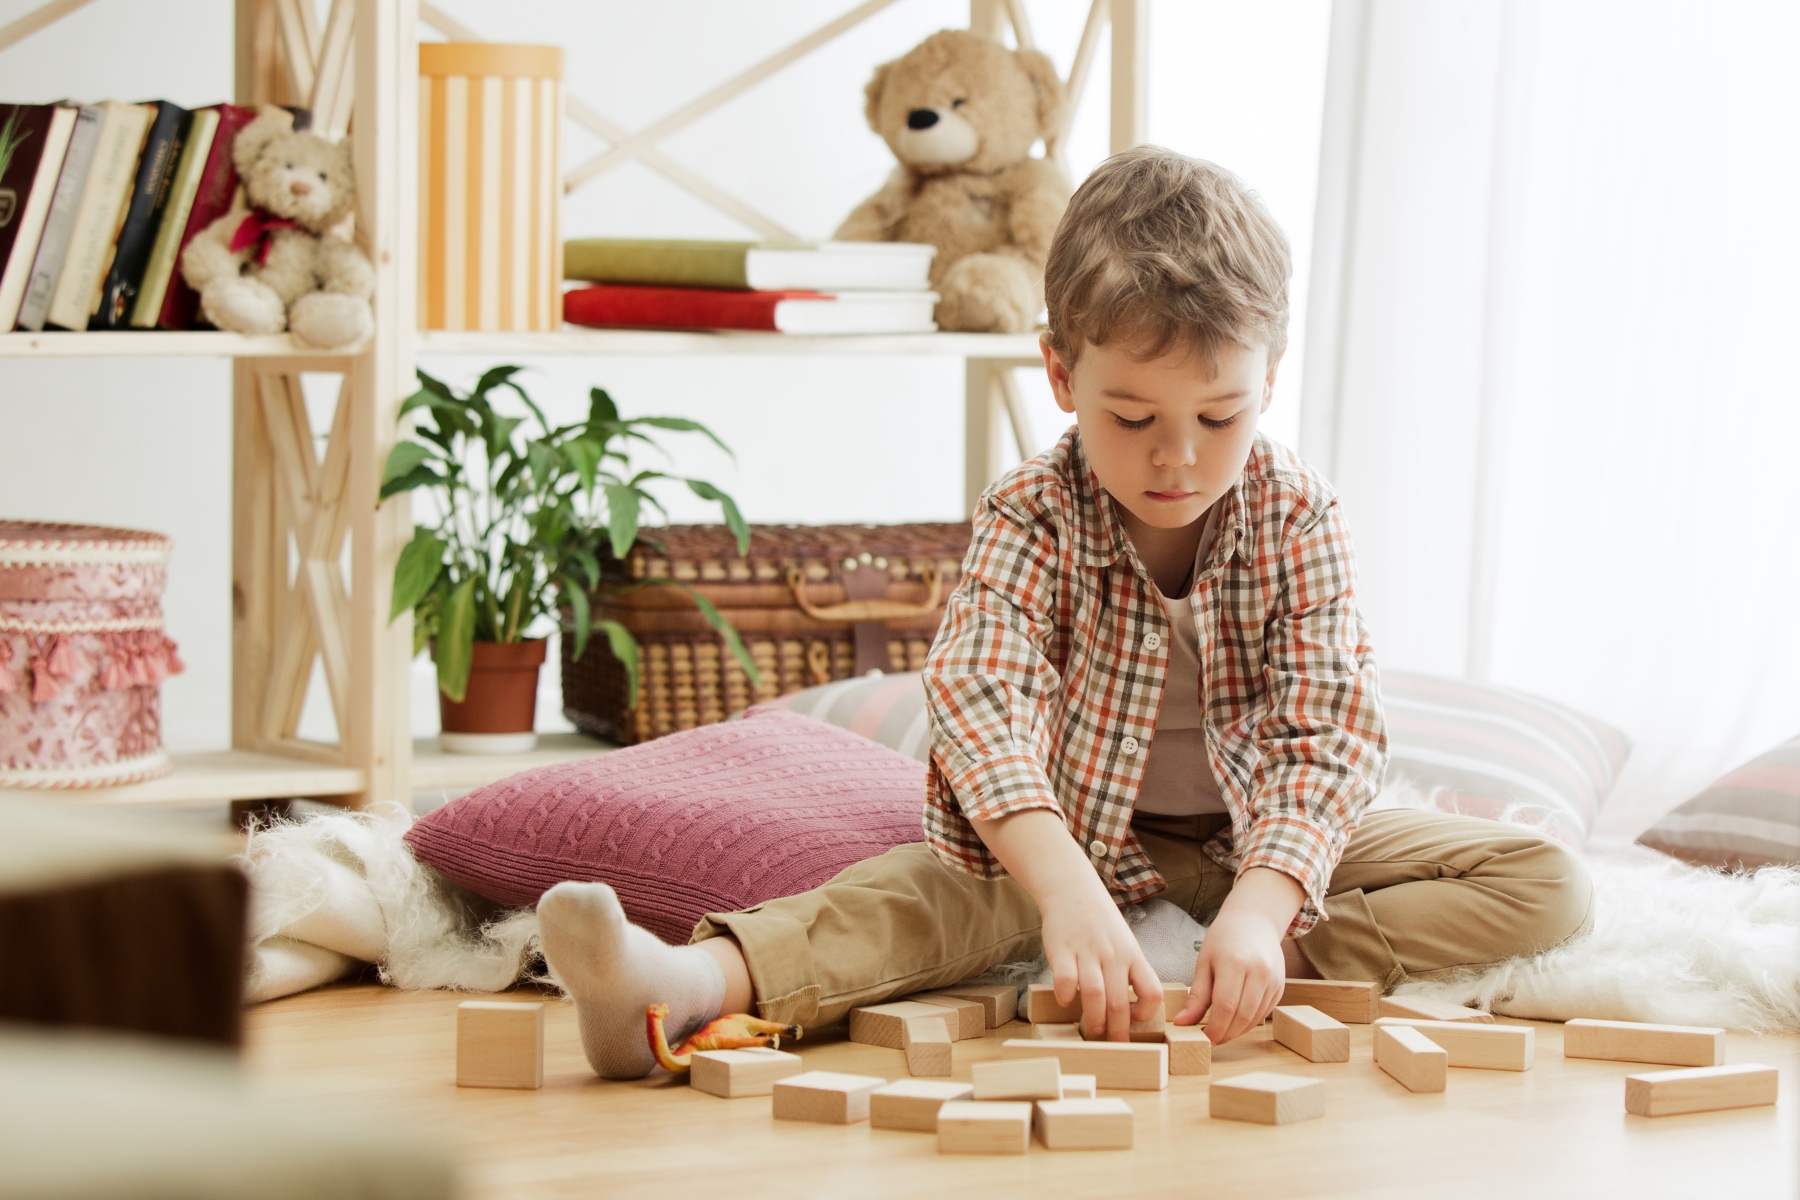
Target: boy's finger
(1222, 1017)
(1065, 979)
(1118, 1005)
(1199, 994)
(1149, 989)
(1093, 999)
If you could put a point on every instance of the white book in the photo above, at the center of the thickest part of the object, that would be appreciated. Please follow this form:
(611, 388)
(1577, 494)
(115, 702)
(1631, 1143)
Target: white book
(15, 273)
(841, 267)
(858, 312)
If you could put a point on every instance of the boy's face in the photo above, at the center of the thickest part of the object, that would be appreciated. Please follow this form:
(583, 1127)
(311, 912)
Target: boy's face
(1169, 436)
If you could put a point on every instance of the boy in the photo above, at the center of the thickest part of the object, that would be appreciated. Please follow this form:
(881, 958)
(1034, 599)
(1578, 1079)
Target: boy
(1153, 680)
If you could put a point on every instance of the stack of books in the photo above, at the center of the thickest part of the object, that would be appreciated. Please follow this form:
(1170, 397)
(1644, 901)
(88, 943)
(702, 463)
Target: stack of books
(97, 201)
(827, 287)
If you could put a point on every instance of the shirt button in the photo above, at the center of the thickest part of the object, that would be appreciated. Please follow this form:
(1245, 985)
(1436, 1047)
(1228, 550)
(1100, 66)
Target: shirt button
(1129, 745)
(1153, 641)
(1097, 848)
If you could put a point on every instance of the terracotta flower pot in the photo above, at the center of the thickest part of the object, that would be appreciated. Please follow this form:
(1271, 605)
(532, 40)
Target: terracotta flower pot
(499, 710)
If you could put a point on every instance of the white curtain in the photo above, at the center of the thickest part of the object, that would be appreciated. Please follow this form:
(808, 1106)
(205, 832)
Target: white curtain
(1550, 358)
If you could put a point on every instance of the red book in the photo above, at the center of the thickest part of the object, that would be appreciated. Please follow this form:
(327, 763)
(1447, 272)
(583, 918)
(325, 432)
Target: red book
(636, 307)
(218, 185)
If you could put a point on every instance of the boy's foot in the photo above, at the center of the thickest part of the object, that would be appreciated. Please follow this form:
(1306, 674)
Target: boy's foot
(614, 971)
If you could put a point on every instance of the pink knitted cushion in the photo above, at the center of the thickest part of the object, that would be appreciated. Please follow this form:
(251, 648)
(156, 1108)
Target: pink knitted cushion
(713, 819)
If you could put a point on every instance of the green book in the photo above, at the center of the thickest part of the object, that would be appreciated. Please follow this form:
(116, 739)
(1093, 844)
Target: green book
(752, 266)
(182, 189)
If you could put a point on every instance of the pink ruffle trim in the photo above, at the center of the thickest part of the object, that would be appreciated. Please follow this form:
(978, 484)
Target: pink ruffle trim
(135, 658)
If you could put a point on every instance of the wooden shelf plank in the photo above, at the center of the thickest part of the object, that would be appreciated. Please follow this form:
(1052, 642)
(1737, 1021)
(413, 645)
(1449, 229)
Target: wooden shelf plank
(153, 343)
(220, 775)
(217, 775)
(652, 342)
(432, 768)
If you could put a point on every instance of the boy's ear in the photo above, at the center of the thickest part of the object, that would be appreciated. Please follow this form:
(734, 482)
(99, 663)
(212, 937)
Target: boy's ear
(1269, 386)
(1057, 370)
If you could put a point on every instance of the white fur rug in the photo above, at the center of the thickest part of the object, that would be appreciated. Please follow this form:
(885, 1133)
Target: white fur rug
(1670, 942)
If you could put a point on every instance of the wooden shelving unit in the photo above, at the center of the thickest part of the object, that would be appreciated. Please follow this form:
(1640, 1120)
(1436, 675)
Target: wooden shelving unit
(295, 510)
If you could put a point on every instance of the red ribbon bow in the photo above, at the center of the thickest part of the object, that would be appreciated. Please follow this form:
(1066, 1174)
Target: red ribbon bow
(258, 228)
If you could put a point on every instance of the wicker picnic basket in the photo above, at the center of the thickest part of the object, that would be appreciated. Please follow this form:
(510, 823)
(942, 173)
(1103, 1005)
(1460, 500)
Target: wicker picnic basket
(812, 603)
(82, 655)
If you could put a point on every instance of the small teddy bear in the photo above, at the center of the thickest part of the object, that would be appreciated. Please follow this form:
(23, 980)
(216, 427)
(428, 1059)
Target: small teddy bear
(278, 266)
(960, 112)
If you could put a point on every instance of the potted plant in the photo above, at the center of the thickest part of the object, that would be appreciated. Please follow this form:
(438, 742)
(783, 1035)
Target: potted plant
(521, 507)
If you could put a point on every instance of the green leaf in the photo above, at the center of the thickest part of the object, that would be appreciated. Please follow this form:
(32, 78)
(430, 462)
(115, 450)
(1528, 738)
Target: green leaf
(624, 647)
(734, 520)
(420, 476)
(421, 561)
(621, 517)
(682, 425)
(724, 629)
(589, 564)
(403, 458)
(455, 649)
(601, 409)
(579, 607)
(585, 454)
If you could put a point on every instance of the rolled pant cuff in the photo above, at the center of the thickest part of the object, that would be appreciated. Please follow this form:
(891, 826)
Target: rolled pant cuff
(1348, 944)
(778, 957)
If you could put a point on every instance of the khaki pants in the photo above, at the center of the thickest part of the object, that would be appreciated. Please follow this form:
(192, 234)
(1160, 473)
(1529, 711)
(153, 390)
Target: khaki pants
(1417, 893)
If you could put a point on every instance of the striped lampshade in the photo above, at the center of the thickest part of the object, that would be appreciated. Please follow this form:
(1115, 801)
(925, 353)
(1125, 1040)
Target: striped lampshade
(490, 186)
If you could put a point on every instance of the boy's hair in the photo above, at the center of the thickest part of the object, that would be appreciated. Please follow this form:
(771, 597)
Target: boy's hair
(1158, 249)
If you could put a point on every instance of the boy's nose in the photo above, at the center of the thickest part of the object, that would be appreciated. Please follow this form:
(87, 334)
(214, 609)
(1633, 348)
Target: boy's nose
(921, 118)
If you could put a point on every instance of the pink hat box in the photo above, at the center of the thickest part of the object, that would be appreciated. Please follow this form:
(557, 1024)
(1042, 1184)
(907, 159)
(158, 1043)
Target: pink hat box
(82, 655)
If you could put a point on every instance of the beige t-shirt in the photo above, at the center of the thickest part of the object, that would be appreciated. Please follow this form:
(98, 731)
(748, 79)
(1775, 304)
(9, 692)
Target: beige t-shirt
(1178, 780)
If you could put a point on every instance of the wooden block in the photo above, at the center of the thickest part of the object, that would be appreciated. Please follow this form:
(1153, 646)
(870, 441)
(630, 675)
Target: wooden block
(1080, 1087)
(1041, 1006)
(1064, 1032)
(1311, 1034)
(1017, 1079)
(1629, 1041)
(1084, 1124)
(1409, 1056)
(913, 1103)
(499, 1045)
(749, 1072)
(1130, 1066)
(926, 1041)
(1189, 1051)
(999, 1001)
(1701, 1089)
(882, 1024)
(993, 1127)
(1267, 1098)
(1424, 1008)
(1341, 1000)
(971, 1018)
(824, 1096)
(1489, 1047)
(1175, 996)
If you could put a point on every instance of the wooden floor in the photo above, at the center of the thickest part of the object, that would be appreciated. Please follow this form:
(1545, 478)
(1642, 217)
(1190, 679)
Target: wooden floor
(1557, 1130)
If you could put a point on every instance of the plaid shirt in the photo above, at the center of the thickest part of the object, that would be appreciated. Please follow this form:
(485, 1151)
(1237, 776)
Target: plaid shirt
(1045, 681)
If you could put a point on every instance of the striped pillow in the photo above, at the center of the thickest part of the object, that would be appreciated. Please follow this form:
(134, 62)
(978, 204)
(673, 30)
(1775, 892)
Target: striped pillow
(1474, 748)
(1747, 818)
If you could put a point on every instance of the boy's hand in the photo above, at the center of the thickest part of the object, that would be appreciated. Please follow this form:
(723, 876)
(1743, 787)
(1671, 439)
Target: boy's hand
(1094, 955)
(1091, 950)
(1240, 974)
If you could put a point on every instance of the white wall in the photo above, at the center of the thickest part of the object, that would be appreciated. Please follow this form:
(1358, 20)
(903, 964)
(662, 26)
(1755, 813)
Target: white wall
(147, 443)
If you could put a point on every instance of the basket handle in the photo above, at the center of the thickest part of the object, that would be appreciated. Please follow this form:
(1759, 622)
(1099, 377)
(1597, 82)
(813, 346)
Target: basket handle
(853, 611)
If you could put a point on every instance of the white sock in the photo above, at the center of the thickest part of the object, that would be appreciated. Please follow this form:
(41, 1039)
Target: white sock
(614, 971)
(1169, 938)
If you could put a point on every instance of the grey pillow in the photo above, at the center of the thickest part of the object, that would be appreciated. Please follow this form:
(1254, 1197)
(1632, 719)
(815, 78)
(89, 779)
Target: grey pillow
(1747, 818)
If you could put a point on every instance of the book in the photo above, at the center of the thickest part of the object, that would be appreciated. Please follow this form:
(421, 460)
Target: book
(184, 185)
(143, 214)
(34, 138)
(754, 266)
(103, 198)
(214, 198)
(53, 243)
(787, 311)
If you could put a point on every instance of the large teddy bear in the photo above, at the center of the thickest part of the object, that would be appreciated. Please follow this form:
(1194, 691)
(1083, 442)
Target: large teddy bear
(960, 112)
(279, 266)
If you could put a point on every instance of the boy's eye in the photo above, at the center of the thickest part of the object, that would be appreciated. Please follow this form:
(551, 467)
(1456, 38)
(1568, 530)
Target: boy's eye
(1139, 424)
(1227, 423)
